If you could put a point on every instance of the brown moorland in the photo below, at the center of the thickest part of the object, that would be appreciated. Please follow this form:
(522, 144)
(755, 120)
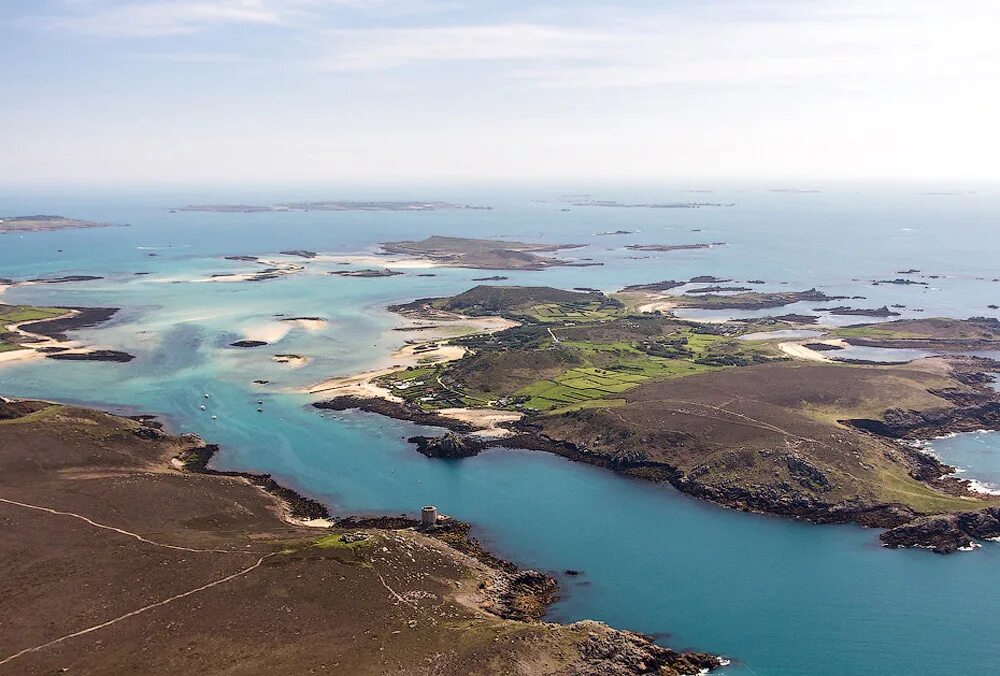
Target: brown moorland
(114, 561)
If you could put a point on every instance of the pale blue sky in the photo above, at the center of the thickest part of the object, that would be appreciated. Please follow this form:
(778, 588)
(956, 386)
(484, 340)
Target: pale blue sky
(191, 91)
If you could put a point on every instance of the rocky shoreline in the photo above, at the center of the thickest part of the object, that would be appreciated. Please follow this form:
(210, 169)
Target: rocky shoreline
(907, 528)
(511, 593)
(85, 317)
(196, 459)
(392, 409)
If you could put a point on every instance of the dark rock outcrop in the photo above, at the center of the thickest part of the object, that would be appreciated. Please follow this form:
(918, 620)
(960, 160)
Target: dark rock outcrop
(902, 424)
(391, 409)
(623, 653)
(94, 355)
(248, 343)
(450, 445)
(522, 595)
(85, 317)
(946, 533)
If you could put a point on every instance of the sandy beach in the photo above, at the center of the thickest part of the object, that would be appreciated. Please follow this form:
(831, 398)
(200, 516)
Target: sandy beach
(361, 384)
(415, 352)
(800, 351)
(309, 324)
(30, 351)
(487, 420)
(373, 260)
(269, 332)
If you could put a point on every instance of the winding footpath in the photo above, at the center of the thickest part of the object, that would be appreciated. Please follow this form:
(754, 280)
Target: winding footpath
(143, 609)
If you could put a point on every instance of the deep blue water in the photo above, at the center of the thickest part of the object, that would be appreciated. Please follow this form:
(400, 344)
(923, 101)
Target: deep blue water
(780, 597)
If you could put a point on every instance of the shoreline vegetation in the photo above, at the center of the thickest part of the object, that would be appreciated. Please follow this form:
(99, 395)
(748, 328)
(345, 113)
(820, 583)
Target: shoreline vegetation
(85, 494)
(773, 426)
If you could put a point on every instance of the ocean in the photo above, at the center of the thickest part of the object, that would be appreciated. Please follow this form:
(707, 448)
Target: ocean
(777, 596)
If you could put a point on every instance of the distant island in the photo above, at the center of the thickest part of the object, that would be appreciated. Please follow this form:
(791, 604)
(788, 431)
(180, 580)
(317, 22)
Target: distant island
(39, 223)
(672, 247)
(650, 205)
(483, 254)
(334, 205)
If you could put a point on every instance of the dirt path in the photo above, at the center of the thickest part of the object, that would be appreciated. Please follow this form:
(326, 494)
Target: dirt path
(119, 530)
(138, 611)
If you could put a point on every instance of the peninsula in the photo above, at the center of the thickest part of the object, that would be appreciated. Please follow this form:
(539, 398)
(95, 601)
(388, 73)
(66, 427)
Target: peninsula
(757, 425)
(28, 332)
(125, 552)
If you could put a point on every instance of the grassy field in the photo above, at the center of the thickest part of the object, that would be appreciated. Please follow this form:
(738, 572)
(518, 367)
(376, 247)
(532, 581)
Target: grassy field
(571, 355)
(613, 368)
(560, 313)
(14, 314)
(897, 486)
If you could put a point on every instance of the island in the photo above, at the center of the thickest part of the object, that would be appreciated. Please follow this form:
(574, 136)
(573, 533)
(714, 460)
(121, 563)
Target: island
(647, 205)
(42, 223)
(368, 272)
(742, 300)
(758, 425)
(672, 247)
(330, 205)
(151, 561)
(483, 254)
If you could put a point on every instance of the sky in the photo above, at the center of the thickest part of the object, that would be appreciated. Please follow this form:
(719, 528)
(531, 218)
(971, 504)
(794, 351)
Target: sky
(280, 91)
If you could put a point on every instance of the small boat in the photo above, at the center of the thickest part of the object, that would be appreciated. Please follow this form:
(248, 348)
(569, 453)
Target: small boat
(202, 407)
(215, 417)
(206, 395)
(260, 401)
(260, 410)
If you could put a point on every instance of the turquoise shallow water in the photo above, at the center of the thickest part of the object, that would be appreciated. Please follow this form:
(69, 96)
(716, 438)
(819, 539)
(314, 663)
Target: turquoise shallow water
(780, 597)
(975, 454)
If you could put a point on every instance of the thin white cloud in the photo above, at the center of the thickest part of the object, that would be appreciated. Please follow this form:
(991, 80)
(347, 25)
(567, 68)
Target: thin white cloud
(841, 41)
(148, 18)
(164, 17)
(382, 49)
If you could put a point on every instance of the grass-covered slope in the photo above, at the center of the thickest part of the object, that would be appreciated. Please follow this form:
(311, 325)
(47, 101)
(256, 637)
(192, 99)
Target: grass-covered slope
(774, 437)
(114, 562)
